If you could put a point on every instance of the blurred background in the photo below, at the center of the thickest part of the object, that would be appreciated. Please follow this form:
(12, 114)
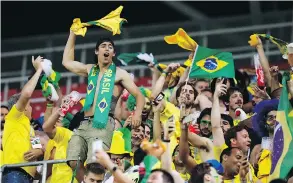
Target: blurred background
(42, 28)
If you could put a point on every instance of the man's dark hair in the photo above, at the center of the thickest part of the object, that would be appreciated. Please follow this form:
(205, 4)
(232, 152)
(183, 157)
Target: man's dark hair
(180, 88)
(12, 100)
(198, 172)
(232, 133)
(167, 177)
(228, 118)
(4, 106)
(230, 91)
(227, 152)
(105, 39)
(94, 168)
(206, 111)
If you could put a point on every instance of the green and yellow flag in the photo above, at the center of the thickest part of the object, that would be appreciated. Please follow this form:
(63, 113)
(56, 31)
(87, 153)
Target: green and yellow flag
(212, 63)
(283, 134)
(112, 22)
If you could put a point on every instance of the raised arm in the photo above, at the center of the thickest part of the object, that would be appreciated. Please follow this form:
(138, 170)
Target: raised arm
(68, 58)
(263, 61)
(182, 80)
(30, 86)
(217, 131)
(130, 86)
(49, 125)
(158, 87)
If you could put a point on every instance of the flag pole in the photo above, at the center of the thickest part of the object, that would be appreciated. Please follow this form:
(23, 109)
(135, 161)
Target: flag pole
(191, 64)
(190, 70)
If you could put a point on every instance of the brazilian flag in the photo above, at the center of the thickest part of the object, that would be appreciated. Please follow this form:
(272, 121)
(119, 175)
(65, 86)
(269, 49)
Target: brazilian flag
(211, 63)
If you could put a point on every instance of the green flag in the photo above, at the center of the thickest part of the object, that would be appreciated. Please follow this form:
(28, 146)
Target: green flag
(211, 63)
(138, 58)
(283, 134)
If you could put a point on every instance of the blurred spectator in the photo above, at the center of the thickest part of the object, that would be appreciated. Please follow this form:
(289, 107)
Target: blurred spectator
(4, 112)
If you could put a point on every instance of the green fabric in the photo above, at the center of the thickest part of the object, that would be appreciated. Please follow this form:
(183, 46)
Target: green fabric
(104, 95)
(149, 162)
(131, 101)
(66, 120)
(127, 138)
(211, 63)
(54, 78)
(46, 91)
(283, 136)
(282, 45)
(127, 58)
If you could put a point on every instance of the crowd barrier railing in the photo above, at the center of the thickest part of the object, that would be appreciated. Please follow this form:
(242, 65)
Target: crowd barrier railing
(36, 163)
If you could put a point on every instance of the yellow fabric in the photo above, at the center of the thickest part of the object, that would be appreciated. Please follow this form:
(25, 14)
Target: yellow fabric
(118, 144)
(111, 22)
(218, 150)
(1, 158)
(185, 176)
(78, 28)
(264, 166)
(61, 172)
(171, 109)
(178, 73)
(253, 40)
(50, 145)
(217, 153)
(16, 139)
(188, 62)
(182, 39)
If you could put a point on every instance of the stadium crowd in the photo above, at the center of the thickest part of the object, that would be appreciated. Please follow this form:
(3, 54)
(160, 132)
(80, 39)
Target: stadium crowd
(184, 128)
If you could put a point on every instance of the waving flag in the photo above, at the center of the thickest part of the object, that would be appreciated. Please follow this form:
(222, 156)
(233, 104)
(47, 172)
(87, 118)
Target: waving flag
(138, 58)
(283, 147)
(112, 22)
(211, 63)
(182, 39)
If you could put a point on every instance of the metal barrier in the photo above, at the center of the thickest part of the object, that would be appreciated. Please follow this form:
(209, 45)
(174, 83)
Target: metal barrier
(37, 163)
(239, 52)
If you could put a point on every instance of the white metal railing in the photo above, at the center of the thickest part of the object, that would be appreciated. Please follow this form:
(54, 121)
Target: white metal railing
(158, 38)
(36, 163)
(239, 52)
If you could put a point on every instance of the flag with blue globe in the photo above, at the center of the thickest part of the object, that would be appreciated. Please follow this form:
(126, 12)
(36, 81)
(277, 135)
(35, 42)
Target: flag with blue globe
(212, 63)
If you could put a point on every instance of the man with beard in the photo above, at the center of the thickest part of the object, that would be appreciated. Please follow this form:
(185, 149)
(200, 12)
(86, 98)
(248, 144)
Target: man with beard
(204, 123)
(264, 123)
(186, 94)
(106, 83)
(4, 112)
(235, 100)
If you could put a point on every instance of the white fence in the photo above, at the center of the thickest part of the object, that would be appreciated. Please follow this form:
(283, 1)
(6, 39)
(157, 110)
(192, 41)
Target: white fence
(239, 52)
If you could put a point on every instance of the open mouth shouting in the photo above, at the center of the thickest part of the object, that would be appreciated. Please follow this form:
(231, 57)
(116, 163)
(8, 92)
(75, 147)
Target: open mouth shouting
(106, 54)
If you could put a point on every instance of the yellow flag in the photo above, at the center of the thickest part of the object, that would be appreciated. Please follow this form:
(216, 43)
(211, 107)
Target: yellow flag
(112, 22)
(182, 39)
(78, 28)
